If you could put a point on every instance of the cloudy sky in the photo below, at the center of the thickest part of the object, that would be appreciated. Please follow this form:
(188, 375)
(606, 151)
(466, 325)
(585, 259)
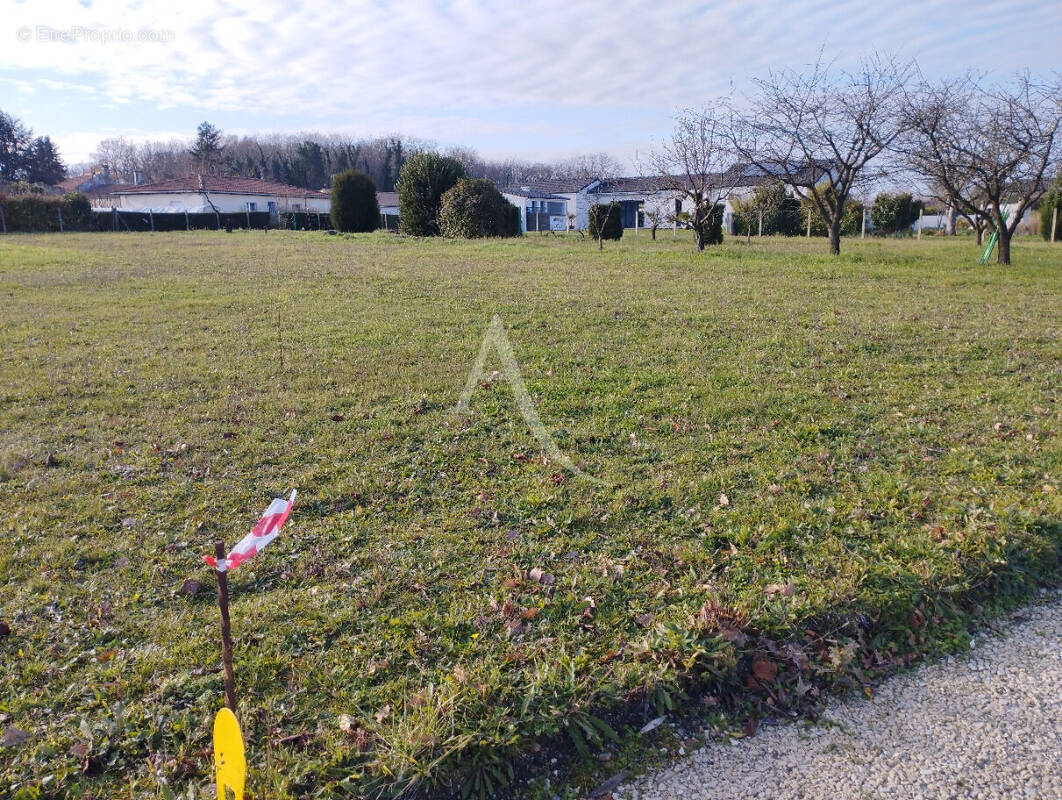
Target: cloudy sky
(539, 79)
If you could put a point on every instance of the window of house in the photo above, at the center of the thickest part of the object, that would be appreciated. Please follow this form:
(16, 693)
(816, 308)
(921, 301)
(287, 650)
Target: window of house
(296, 206)
(252, 206)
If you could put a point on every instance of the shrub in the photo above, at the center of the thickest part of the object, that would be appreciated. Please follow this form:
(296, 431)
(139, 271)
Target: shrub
(421, 185)
(851, 222)
(474, 208)
(605, 219)
(1051, 201)
(354, 205)
(781, 211)
(33, 213)
(894, 213)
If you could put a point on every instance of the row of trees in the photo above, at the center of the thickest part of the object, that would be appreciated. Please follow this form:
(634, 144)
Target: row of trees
(977, 146)
(310, 160)
(25, 157)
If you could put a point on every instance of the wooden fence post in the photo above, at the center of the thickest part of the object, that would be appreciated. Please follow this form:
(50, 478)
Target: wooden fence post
(60, 210)
(151, 219)
(809, 224)
(1054, 224)
(863, 233)
(921, 211)
(187, 226)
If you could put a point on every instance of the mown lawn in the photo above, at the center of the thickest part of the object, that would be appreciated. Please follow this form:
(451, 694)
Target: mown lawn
(813, 470)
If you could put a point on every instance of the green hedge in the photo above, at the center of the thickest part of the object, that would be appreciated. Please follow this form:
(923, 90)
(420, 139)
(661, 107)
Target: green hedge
(474, 208)
(1051, 201)
(41, 214)
(354, 205)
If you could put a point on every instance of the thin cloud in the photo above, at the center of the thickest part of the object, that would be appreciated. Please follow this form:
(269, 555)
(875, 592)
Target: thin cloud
(494, 64)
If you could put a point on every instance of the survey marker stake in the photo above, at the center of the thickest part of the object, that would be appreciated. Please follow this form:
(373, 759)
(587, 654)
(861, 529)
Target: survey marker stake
(226, 629)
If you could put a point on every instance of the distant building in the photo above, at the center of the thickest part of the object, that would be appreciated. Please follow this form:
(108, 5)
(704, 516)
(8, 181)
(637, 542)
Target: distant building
(208, 193)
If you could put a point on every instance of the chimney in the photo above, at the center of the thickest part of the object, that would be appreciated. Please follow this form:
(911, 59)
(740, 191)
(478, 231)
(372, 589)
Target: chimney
(138, 177)
(202, 183)
(106, 173)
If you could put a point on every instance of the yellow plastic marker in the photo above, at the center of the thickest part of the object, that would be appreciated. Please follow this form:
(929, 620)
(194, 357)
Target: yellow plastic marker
(230, 766)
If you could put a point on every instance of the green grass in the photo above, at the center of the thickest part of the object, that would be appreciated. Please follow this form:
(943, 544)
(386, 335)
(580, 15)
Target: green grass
(884, 427)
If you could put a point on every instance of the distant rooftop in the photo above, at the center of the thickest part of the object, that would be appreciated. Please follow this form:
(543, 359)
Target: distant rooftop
(221, 185)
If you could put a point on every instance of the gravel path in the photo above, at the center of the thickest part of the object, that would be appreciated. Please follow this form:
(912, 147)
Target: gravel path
(985, 726)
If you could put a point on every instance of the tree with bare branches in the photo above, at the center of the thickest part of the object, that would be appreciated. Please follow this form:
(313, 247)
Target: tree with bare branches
(990, 147)
(693, 165)
(817, 131)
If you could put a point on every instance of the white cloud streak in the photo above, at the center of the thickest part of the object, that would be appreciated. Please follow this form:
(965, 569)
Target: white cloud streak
(413, 65)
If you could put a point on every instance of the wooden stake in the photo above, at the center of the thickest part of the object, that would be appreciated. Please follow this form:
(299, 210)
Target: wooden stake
(863, 233)
(921, 211)
(226, 630)
(1054, 224)
(809, 223)
(60, 219)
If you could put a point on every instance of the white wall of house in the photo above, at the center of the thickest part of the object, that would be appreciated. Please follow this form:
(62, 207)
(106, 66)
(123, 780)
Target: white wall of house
(223, 201)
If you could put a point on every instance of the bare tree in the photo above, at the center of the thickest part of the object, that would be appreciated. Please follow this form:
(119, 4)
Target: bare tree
(121, 155)
(587, 167)
(817, 132)
(989, 147)
(693, 165)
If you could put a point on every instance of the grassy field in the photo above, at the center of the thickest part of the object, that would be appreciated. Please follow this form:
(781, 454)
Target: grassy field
(812, 470)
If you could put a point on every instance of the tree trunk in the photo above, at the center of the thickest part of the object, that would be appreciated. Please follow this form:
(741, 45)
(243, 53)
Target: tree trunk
(1004, 246)
(600, 242)
(980, 235)
(835, 238)
(652, 232)
(949, 222)
(700, 238)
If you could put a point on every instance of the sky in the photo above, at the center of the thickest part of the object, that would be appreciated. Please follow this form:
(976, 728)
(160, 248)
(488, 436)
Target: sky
(533, 80)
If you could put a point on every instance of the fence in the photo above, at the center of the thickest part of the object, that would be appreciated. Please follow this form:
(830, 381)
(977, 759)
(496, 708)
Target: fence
(137, 221)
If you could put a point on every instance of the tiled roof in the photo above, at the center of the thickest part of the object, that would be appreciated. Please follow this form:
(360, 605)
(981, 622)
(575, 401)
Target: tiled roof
(554, 185)
(222, 185)
(71, 184)
(533, 192)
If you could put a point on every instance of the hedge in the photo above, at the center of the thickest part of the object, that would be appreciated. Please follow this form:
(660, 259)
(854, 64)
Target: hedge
(41, 214)
(474, 208)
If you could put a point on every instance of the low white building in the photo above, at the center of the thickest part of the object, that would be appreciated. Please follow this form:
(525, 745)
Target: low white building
(545, 201)
(208, 193)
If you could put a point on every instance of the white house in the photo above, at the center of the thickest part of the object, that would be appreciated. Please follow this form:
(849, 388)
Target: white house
(208, 193)
(636, 196)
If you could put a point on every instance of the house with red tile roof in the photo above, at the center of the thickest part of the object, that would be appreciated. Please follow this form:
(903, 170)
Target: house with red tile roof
(221, 194)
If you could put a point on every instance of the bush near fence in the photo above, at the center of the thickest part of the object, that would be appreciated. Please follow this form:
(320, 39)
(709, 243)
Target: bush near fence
(40, 214)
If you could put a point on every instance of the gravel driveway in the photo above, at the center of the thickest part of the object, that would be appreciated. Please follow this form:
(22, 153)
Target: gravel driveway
(985, 725)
